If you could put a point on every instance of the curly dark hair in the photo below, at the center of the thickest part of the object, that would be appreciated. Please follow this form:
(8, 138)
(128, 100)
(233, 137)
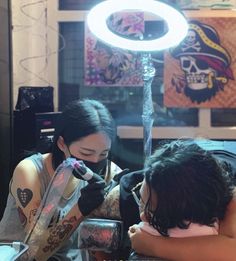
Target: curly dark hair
(190, 184)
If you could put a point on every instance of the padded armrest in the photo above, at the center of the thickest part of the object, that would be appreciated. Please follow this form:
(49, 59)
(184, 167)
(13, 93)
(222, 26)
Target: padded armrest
(100, 234)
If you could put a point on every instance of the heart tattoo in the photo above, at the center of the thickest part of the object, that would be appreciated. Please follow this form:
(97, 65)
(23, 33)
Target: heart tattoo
(24, 196)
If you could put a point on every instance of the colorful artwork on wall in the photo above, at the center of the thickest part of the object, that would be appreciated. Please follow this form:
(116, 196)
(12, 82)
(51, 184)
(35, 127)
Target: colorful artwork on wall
(201, 71)
(199, 4)
(109, 66)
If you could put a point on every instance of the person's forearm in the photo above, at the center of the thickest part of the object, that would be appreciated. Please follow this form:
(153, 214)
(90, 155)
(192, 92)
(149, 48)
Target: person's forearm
(44, 246)
(209, 248)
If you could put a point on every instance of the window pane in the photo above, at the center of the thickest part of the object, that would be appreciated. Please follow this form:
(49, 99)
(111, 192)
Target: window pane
(223, 117)
(82, 4)
(70, 61)
(77, 4)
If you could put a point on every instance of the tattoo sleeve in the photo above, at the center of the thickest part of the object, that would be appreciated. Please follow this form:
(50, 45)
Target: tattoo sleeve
(110, 208)
(54, 237)
(22, 217)
(32, 215)
(59, 233)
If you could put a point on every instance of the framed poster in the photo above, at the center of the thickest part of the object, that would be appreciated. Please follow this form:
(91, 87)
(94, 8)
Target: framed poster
(106, 65)
(200, 72)
(213, 4)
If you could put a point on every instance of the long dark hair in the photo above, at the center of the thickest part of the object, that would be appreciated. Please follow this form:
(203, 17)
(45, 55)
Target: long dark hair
(79, 119)
(190, 184)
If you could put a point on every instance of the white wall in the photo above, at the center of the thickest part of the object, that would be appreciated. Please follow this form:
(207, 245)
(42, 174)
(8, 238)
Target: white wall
(32, 50)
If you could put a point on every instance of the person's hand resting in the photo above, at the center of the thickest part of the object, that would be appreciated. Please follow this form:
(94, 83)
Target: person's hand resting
(93, 194)
(140, 240)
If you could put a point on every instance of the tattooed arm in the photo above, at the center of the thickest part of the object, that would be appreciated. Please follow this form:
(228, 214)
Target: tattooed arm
(25, 188)
(110, 208)
(55, 236)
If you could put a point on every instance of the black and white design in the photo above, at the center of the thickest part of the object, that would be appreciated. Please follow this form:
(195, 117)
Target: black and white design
(204, 61)
(24, 196)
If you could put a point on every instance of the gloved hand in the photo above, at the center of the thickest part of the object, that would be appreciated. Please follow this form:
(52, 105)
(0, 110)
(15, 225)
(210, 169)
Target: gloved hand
(92, 196)
(81, 171)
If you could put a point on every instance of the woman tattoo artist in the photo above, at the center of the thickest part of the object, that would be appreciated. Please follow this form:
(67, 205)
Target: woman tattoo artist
(85, 131)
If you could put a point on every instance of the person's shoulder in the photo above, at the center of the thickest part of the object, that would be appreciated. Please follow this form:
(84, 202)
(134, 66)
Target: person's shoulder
(25, 184)
(128, 181)
(25, 172)
(128, 207)
(25, 164)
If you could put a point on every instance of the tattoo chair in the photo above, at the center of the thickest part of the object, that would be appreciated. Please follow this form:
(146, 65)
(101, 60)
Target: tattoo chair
(102, 235)
(108, 236)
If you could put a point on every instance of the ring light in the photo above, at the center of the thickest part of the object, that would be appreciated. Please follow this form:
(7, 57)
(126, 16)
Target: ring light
(177, 24)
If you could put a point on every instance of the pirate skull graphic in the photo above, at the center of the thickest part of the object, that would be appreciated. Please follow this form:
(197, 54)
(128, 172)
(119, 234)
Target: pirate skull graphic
(204, 62)
(198, 74)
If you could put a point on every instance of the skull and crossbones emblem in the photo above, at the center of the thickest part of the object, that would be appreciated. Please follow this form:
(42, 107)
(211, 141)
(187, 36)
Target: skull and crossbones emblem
(191, 42)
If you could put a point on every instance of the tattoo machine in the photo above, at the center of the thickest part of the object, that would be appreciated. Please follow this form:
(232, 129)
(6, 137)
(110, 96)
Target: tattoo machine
(80, 171)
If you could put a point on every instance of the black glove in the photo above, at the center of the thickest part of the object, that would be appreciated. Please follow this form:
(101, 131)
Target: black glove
(92, 196)
(81, 171)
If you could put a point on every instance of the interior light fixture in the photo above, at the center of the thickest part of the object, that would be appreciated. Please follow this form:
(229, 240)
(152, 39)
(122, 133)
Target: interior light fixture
(176, 23)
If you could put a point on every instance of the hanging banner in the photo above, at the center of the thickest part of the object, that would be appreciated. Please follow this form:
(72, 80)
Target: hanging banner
(201, 71)
(109, 66)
